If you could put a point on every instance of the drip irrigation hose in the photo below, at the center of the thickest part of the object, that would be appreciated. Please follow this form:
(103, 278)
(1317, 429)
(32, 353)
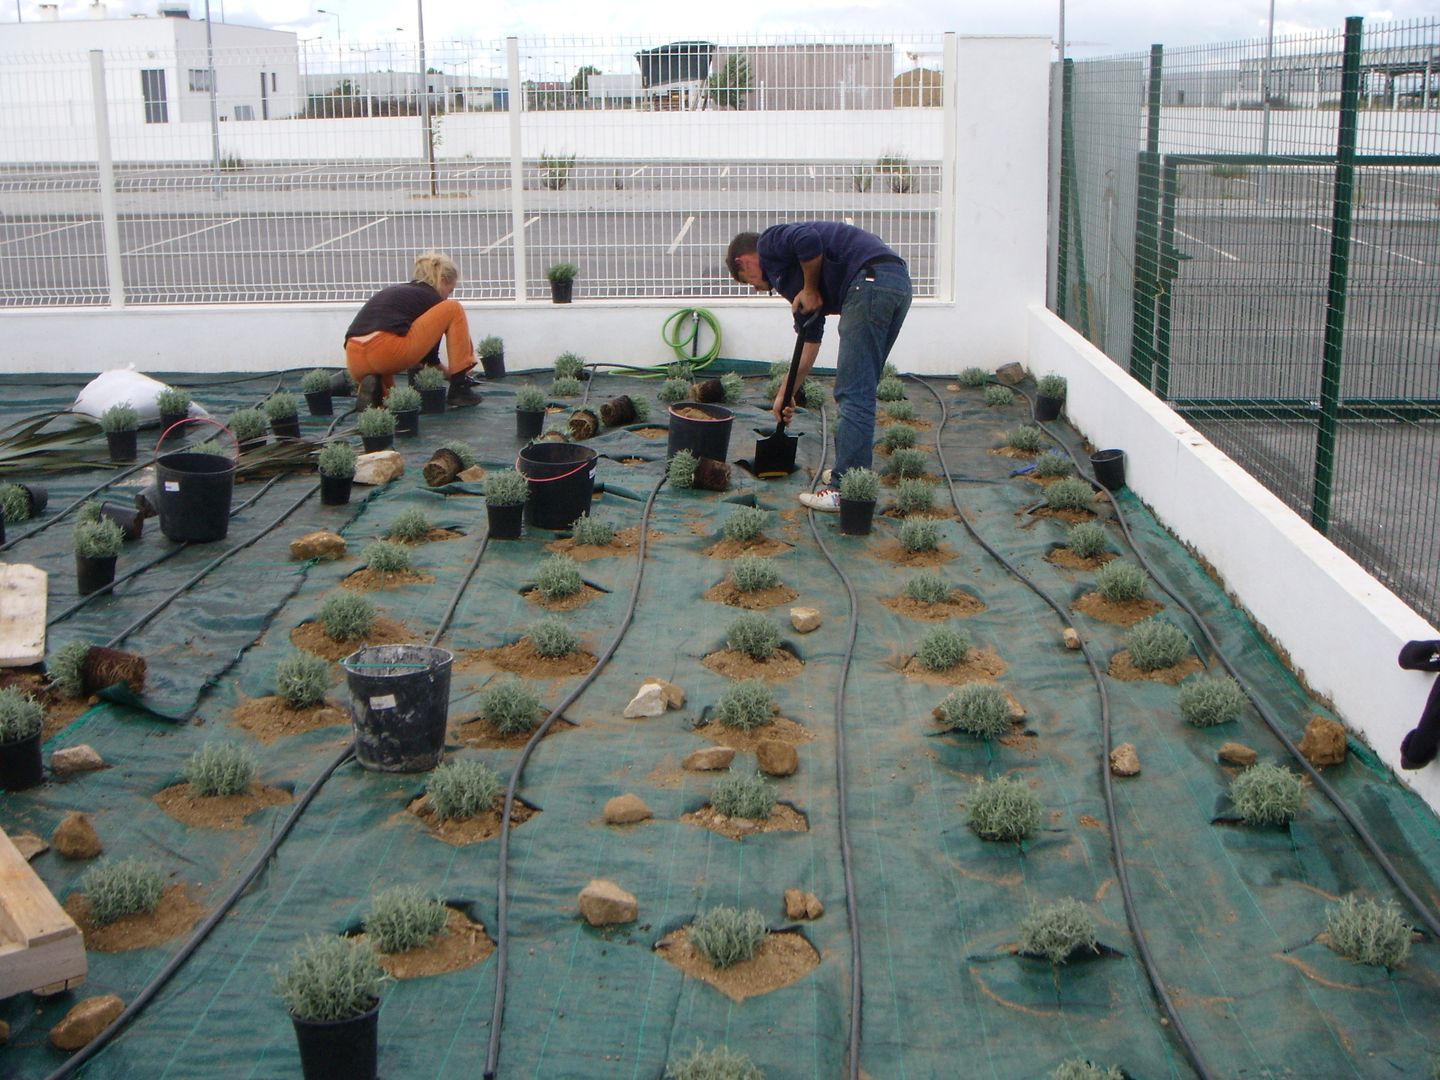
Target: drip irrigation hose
(502, 932)
(1122, 874)
(56, 518)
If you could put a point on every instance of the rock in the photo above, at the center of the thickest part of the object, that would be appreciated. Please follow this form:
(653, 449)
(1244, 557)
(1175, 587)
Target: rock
(794, 904)
(1234, 753)
(75, 759)
(626, 810)
(1072, 638)
(1017, 711)
(379, 467)
(604, 903)
(813, 907)
(708, 759)
(473, 475)
(1324, 742)
(76, 838)
(86, 1020)
(776, 758)
(29, 845)
(318, 545)
(649, 700)
(1124, 761)
(674, 696)
(1010, 374)
(805, 619)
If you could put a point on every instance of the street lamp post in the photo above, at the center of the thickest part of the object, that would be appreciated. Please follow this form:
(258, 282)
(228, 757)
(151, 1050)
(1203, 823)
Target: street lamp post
(339, 48)
(425, 100)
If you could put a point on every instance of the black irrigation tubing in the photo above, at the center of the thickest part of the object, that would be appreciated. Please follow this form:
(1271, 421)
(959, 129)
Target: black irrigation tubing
(1122, 874)
(56, 518)
(502, 931)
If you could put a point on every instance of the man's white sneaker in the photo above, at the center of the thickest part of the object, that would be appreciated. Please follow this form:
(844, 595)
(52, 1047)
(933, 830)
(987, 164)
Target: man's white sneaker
(826, 500)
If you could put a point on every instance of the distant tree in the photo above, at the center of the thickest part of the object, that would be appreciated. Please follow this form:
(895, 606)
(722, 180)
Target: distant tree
(730, 85)
(581, 81)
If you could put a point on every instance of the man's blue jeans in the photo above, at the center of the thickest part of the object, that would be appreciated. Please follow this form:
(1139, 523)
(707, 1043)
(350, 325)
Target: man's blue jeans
(870, 321)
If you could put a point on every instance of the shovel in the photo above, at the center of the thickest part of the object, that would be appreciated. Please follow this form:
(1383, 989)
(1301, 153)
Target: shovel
(775, 453)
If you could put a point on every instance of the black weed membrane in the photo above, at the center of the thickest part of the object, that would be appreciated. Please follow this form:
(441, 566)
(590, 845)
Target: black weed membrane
(1120, 920)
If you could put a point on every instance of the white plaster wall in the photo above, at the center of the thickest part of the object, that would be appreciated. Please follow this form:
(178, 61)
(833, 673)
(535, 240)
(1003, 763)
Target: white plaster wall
(1341, 628)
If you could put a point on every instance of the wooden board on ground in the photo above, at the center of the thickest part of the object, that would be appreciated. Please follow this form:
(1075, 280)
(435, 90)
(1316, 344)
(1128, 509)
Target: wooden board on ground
(41, 948)
(22, 615)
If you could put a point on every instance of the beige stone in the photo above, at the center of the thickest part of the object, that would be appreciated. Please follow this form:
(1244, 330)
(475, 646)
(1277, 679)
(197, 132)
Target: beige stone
(708, 759)
(86, 1020)
(1324, 742)
(776, 758)
(794, 904)
(75, 759)
(29, 845)
(76, 838)
(813, 907)
(318, 545)
(1234, 753)
(674, 696)
(649, 700)
(626, 810)
(604, 903)
(1010, 374)
(473, 475)
(379, 467)
(1072, 638)
(805, 619)
(1124, 761)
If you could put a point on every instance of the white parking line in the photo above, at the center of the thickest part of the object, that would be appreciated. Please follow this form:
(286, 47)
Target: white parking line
(342, 236)
(47, 232)
(1212, 247)
(507, 236)
(182, 236)
(1377, 247)
(724, 172)
(811, 171)
(681, 234)
(638, 171)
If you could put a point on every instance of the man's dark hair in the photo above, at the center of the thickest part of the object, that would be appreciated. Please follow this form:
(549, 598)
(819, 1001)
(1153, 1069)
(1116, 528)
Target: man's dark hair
(745, 243)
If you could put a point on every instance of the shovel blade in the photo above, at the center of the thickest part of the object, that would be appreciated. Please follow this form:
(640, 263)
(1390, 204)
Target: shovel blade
(775, 455)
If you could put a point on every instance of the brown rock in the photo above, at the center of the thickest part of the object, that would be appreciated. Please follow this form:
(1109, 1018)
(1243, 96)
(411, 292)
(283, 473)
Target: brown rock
(75, 759)
(776, 758)
(1072, 638)
(76, 838)
(674, 696)
(86, 1020)
(1234, 753)
(805, 619)
(379, 467)
(604, 903)
(473, 475)
(626, 810)
(1124, 761)
(1010, 374)
(29, 845)
(1324, 742)
(708, 759)
(813, 907)
(794, 904)
(318, 545)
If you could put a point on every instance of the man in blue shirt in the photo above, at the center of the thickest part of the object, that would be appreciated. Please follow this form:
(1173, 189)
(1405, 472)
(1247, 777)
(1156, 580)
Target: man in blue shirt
(834, 269)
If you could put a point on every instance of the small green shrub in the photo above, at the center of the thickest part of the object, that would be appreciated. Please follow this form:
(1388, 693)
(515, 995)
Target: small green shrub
(1209, 700)
(733, 387)
(114, 889)
(641, 407)
(461, 449)
(898, 437)
(974, 377)
(98, 539)
(386, 558)
(119, 418)
(811, 396)
(330, 978)
(530, 399)
(375, 421)
(1069, 494)
(1155, 644)
(557, 172)
(680, 369)
(553, 637)
(1120, 581)
(890, 388)
(336, 459)
(919, 535)
(928, 587)
(302, 679)
(680, 472)
(1057, 931)
(221, 768)
(213, 447)
(404, 399)
(1368, 933)
(943, 648)
(247, 424)
(567, 386)
(1267, 794)
(1087, 539)
(507, 487)
(1051, 464)
(859, 485)
(347, 616)
(173, 400)
(908, 463)
(410, 525)
(569, 365)
(66, 667)
(404, 917)
(1027, 438)
(1005, 810)
(754, 635)
(313, 381)
(1080, 1069)
(977, 709)
(429, 377)
(1051, 386)
(745, 523)
(998, 396)
(740, 795)
(510, 705)
(281, 406)
(20, 715)
(558, 577)
(722, 1063)
(490, 346)
(673, 390)
(889, 371)
(463, 788)
(902, 411)
(592, 532)
(746, 705)
(915, 496)
(14, 504)
(724, 935)
(89, 512)
(751, 573)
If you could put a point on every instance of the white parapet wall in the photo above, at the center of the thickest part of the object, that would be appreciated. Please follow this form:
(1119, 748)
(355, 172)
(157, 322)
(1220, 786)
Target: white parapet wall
(1341, 628)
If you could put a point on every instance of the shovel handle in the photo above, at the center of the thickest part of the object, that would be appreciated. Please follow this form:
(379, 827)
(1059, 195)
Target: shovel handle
(795, 365)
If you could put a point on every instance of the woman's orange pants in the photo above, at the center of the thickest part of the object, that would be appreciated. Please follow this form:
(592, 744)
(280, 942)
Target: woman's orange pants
(385, 354)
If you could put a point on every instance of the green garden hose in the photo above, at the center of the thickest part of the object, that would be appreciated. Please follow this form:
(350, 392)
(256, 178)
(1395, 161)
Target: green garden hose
(684, 339)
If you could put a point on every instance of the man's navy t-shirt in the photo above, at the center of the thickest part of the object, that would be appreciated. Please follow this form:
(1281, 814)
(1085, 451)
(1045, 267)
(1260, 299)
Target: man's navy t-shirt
(846, 250)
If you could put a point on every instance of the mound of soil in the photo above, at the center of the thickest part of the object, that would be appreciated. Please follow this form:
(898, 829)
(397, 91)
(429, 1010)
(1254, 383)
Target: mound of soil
(1124, 669)
(1074, 517)
(462, 944)
(1063, 556)
(434, 536)
(471, 830)
(1011, 452)
(786, 731)
(311, 637)
(960, 604)
(890, 551)
(982, 665)
(625, 542)
(737, 665)
(270, 718)
(367, 580)
(1122, 614)
(575, 600)
(522, 659)
(483, 735)
(60, 711)
(782, 959)
(174, 915)
(784, 818)
(755, 600)
(760, 545)
(218, 811)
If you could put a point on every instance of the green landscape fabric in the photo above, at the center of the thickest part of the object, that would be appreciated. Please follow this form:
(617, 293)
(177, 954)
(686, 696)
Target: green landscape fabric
(1232, 914)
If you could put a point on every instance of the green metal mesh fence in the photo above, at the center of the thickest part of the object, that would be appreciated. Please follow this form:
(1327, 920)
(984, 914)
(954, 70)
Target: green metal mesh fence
(1253, 231)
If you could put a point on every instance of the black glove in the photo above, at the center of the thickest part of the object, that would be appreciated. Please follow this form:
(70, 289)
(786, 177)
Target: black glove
(1420, 746)
(1420, 656)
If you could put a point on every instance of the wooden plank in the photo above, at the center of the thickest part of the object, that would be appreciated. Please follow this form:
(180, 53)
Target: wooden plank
(22, 615)
(40, 945)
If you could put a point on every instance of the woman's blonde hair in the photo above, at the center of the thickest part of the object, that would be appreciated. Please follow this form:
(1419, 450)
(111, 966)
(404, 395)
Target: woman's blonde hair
(433, 267)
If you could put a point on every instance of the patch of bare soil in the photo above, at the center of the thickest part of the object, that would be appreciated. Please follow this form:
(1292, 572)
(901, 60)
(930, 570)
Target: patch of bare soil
(60, 711)
(218, 811)
(918, 424)
(890, 479)
(522, 659)
(1063, 556)
(270, 718)
(459, 832)
(651, 432)
(483, 735)
(737, 665)
(1124, 669)
(693, 414)
(1074, 517)
(460, 945)
(625, 542)
(939, 514)
(890, 551)
(780, 729)
(754, 600)
(981, 665)
(174, 915)
(1042, 481)
(311, 637)
(1011, 452)
(784, 818)
(959, 605)
(781, 960)
(1117, 614)
(367, 580)
(1018, 740)
(761, 545)
(632, 461)
(575, 600)
(434, 536)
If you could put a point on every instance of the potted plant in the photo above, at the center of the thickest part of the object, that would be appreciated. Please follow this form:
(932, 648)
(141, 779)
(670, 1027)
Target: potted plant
(120, 422)
(248, 427)
(337, 473)
(315, 385)
(21, 720)
(859, 488)
(174, 406)
(377, 429)
(284, 413)
(529, 412)
(491, 352)
(433, 387)
(505, 495)
(331, 988)
(562, 281)
(97, 543)
(405, 404)
(1049, 397)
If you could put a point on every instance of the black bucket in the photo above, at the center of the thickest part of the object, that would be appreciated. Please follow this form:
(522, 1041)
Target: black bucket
(339, 1049)
(1048, 408)
(400, 699)
(703, 438)
(562, 479)
(194, 491)
(1109, 466)
(856, 517)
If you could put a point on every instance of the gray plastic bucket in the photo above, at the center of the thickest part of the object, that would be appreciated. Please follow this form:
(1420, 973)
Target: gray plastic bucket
(400, 701)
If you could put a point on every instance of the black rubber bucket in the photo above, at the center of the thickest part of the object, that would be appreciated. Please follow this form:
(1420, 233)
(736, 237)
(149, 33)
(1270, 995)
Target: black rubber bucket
(339, 1049)
(1109, 466)
(400, 700)
(21, 764)
(703, 438)
(562, 480)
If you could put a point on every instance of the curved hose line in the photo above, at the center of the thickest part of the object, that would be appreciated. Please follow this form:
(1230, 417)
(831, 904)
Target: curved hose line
(55, 519)
(673, 336)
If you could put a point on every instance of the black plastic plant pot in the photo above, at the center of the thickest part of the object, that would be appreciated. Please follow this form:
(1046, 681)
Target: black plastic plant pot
(562, 483)
(335, 490)
(21, 765)
(377, 442)
(1109, 466)
(170, 419)
(131, 519)
(494, 366)
(286, 429)
(339, 1049)
(433, 401)
(194, 492)
(505, 521)
(400, 701)
(320, 403)
(706, 435)
(93, 573)
(528, 425)
(856, 516)
(122, 445)
(1048, 408)
(407, 423)
(562, 291)
(39, 498)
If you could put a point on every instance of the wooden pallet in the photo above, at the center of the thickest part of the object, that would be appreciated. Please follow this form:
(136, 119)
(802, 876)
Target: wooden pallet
(22, 615)
(41, 948)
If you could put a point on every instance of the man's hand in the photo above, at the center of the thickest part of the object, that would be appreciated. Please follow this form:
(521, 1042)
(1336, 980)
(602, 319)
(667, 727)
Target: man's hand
(784, 410)
(806, 301)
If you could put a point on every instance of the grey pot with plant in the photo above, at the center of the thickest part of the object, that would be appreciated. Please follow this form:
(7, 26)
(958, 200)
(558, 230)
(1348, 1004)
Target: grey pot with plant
(562, 281)
(319, 398)
(21, 721)
(491, 352)
(331, 989)
(336, 462)
(405, 402)
(120, 424)
(859, 488)
(377, 429)
(505, 495)
(97, 545)
(1049, 397)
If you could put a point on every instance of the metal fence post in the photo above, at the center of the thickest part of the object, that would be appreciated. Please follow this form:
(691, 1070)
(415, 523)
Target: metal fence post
(106, 166)
(1147, 203)
(517, 168)
(945, 233)
(1065, 167)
